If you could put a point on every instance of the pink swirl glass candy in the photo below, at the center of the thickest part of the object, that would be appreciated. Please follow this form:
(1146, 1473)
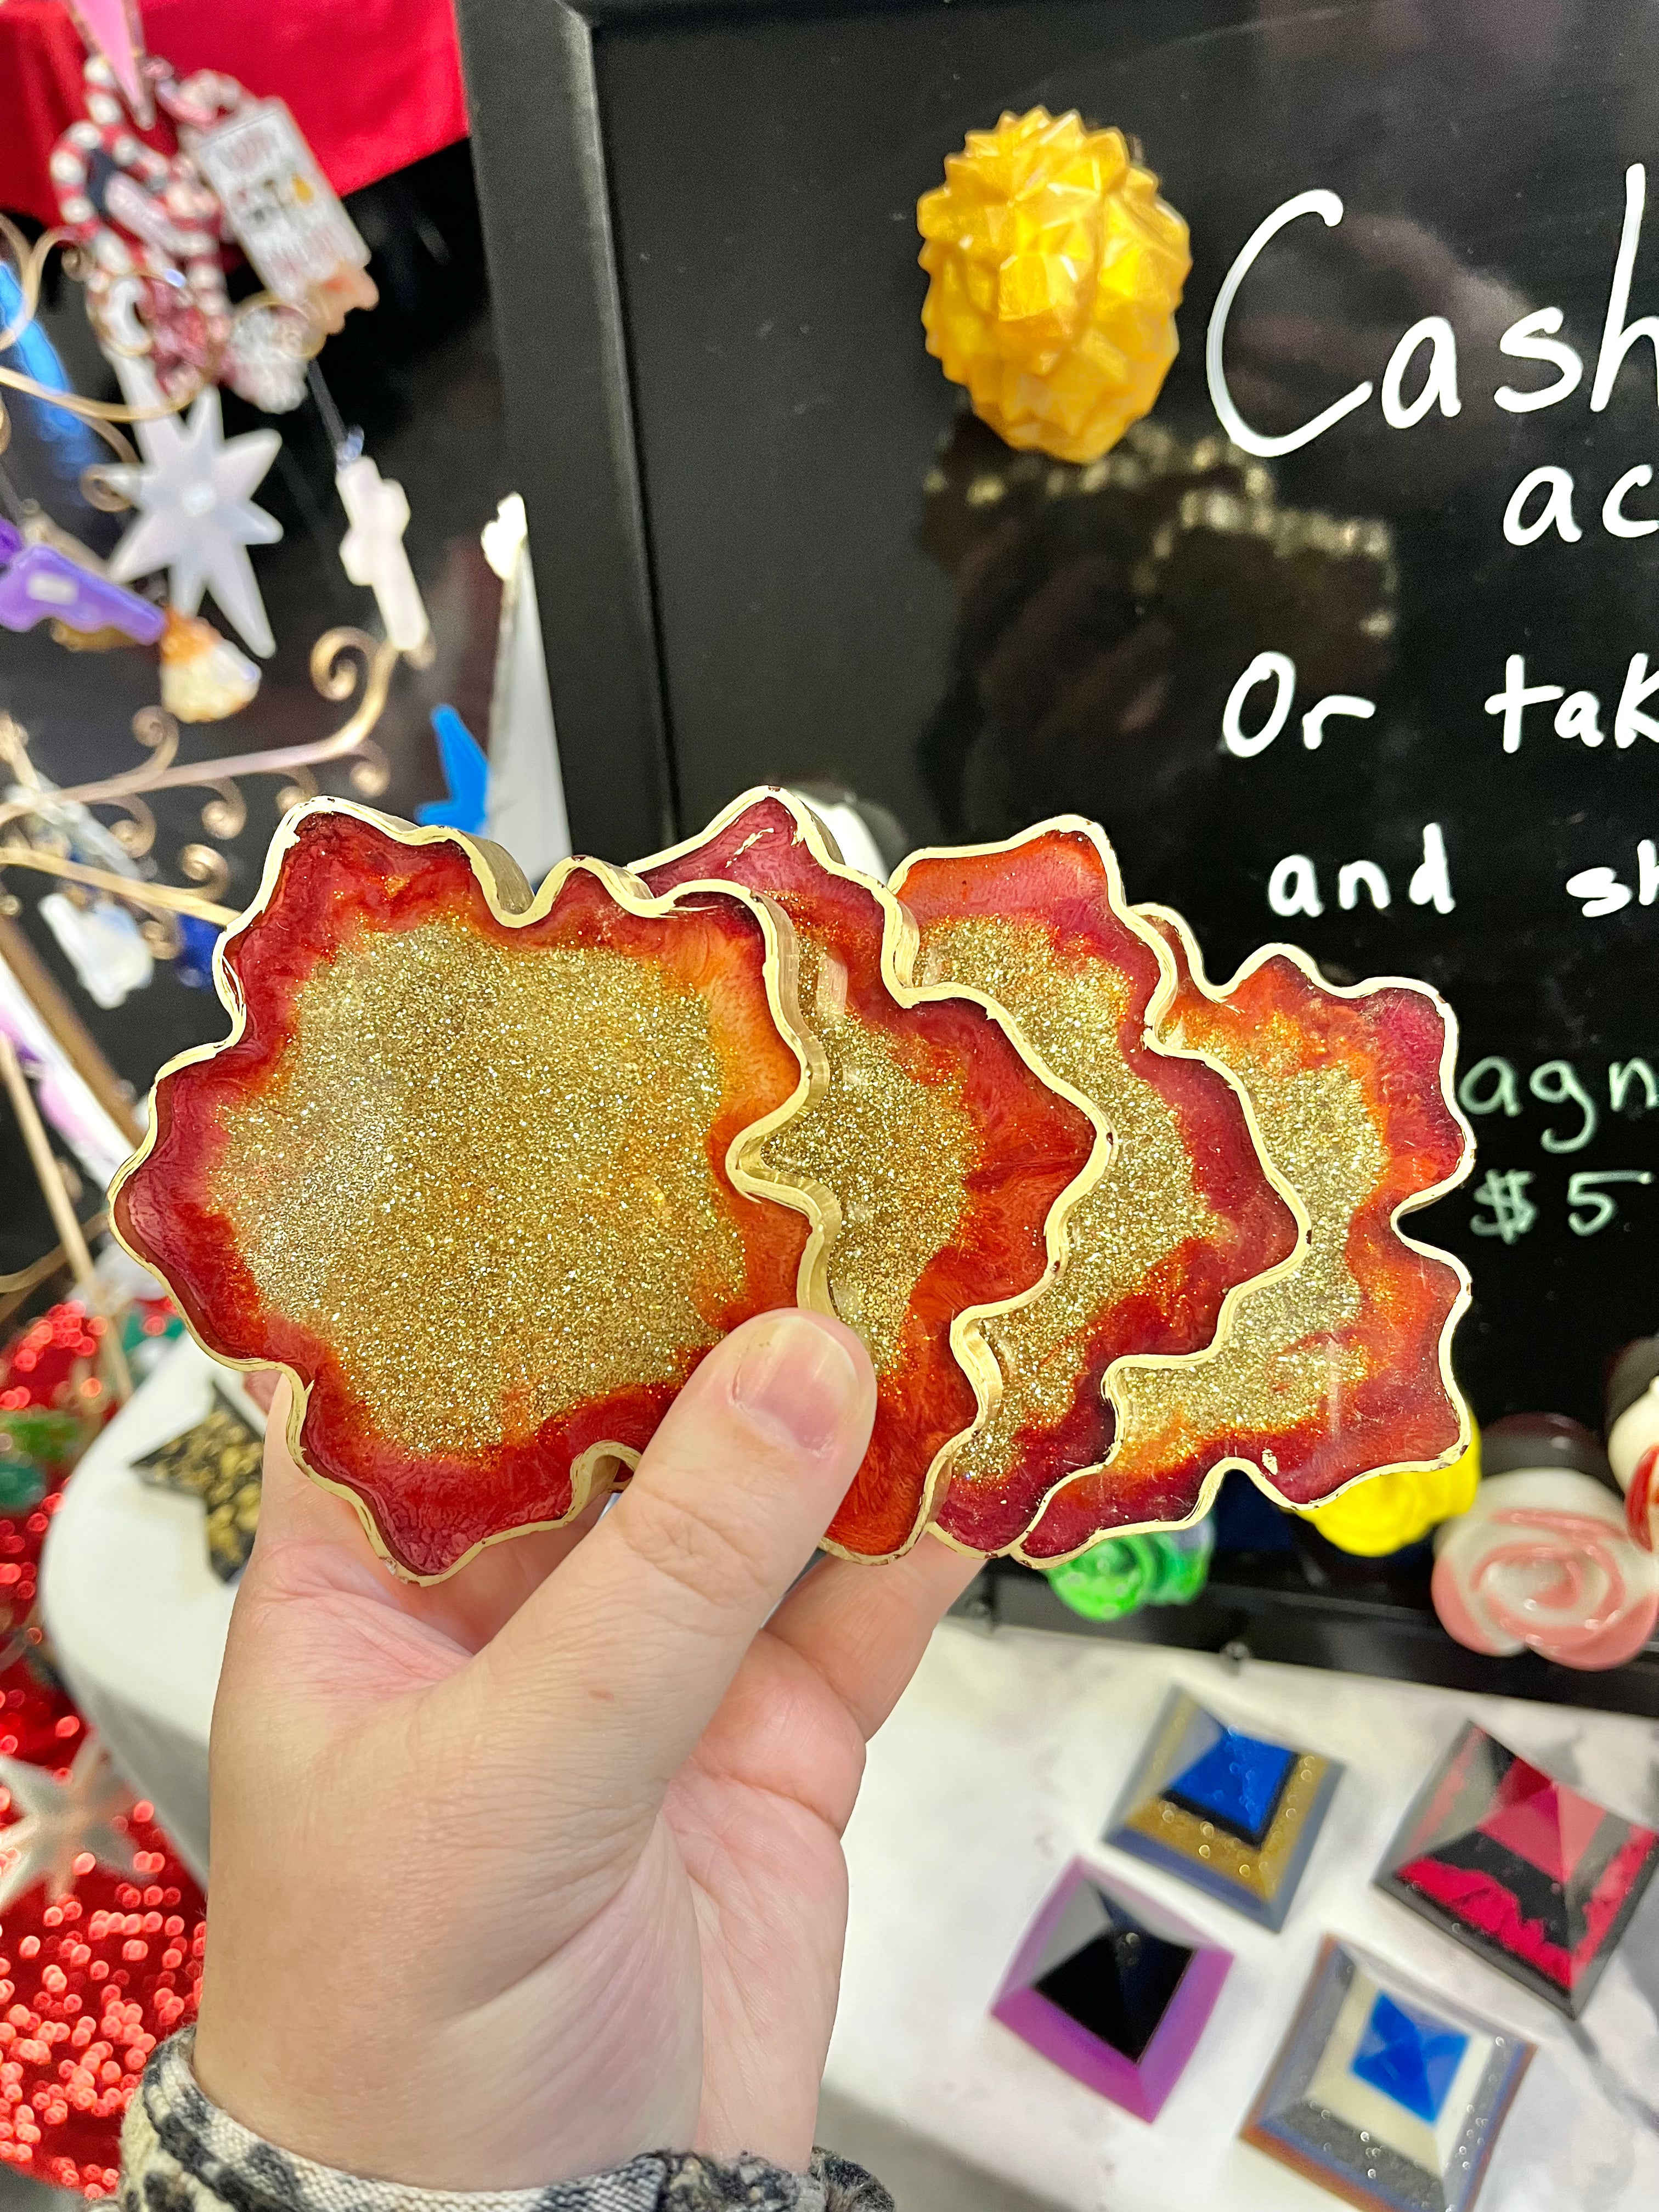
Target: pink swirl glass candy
(1542, 1561)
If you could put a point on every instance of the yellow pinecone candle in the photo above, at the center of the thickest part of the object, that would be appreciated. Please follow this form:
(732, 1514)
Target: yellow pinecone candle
(1056, 271)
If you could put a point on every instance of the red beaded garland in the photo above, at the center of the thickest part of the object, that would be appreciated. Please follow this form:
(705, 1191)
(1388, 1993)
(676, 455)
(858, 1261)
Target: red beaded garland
(89, 1983)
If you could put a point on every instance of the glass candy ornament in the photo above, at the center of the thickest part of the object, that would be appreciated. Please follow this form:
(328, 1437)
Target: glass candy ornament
(1543, 1559)
(1632, 1433)
(1055, 270)
(1531, 1877)
(1121, 1575)
(1233, 1812)
(1383, 2093)
(1386, 1513)
(1112, 1989)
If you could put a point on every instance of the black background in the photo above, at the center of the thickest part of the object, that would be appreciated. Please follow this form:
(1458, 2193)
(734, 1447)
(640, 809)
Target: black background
(764, 177)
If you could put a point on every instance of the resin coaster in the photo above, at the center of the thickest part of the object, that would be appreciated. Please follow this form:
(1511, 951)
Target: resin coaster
(1383, 2093)
(1339, 1367)
(1536, 1879)
(1112, 1990)
(1233, 1813)
(946, 1160)
(1181, 1213)
(479, 1172)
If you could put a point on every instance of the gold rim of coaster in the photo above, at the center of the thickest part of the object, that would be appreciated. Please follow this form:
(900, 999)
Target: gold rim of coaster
(1413, 1202)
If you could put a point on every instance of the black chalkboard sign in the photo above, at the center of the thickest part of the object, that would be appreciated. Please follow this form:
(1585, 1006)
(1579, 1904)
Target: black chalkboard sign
(1357, 644)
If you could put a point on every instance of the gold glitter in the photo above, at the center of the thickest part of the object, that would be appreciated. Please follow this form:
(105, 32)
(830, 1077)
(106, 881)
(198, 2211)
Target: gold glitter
(481, 1173)
(1261, 1871)
(1144, 1208)
(219, 1460)
(1279, 1366)
(896, 1152)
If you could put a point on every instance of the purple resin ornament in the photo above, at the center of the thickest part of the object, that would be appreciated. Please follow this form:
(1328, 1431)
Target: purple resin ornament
(40, 584)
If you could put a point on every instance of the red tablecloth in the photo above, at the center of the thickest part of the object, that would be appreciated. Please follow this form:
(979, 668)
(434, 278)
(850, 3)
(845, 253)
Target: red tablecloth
(373, 83)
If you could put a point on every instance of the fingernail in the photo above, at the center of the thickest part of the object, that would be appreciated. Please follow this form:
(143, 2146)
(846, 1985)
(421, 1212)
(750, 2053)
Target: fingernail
(797, 1380)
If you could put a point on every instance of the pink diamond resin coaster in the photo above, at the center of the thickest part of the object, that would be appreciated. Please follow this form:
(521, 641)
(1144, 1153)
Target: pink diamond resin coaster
(1113, 1989)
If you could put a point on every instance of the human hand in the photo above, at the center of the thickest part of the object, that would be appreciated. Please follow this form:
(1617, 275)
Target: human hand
(520, 1874)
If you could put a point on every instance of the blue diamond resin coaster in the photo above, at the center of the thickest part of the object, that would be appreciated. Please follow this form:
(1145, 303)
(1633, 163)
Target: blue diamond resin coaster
(1383, 2093)
(1235, 1813)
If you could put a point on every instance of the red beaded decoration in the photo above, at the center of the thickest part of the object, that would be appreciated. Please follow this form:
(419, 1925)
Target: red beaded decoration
(92, 1981)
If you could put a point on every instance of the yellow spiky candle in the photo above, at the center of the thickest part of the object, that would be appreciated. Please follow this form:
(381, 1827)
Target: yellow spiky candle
(1056, 271)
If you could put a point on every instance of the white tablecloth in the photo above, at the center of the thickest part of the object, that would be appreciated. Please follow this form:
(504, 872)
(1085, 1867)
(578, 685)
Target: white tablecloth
(136, 1616)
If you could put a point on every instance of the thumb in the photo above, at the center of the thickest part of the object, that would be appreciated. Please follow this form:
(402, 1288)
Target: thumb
(621, 1658)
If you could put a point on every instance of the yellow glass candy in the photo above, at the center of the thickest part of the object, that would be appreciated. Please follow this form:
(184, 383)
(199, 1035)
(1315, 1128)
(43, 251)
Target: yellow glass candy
(1392, 1511)
(1056, 272)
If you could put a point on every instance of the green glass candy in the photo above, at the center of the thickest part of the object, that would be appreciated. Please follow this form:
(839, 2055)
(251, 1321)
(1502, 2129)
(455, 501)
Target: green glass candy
(1121, 1575)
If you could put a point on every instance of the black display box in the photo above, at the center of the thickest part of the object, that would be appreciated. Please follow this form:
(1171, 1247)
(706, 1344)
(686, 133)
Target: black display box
(756, 515)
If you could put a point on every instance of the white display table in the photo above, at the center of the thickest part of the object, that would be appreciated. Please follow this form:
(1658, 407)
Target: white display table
(1002, 1762)
(136, 1616)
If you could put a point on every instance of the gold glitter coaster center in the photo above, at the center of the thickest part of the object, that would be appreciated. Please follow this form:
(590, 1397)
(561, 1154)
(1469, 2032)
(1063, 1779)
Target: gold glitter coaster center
(1281, 1363)
(896, 1152)
(481, 1172)
(1143, 1209)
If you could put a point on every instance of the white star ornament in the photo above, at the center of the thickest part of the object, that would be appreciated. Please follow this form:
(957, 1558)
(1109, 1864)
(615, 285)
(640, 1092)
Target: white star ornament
(197, 516)
(60, 1821)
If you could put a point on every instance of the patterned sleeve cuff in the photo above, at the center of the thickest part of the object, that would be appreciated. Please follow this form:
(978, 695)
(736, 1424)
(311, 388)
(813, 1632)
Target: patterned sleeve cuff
(180, 2153)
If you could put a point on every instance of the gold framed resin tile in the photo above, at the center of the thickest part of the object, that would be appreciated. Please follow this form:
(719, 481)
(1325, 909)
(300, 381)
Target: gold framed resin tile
(479, 1171)
(1351, 1088)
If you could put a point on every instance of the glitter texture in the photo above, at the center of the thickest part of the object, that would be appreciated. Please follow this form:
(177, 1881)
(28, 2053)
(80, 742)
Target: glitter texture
(471, 1177)
(1173, 1814)
(1339, 1368)
(442, 1096)
(945, 1154)
(1182, 1211)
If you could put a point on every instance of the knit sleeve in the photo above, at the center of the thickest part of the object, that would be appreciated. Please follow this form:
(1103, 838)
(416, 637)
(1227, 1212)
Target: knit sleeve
(180, 2153)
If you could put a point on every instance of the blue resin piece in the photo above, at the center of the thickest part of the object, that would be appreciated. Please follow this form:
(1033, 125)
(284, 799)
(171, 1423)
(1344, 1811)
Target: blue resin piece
(1409, 2057)
(1237, 1782)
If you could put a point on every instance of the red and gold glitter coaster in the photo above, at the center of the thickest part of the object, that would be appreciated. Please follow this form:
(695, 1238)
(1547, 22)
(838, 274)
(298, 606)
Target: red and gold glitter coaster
(1181, 1211)
(479, 1172)
(949, 1156)
(1339, 1368)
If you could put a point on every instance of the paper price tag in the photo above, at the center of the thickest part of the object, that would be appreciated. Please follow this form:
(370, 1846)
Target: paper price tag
(286, 216)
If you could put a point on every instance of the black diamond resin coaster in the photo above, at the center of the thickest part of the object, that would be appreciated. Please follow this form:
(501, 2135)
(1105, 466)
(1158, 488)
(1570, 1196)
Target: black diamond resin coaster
(1386, 2095)
(1234, 1813)
(1112, 1990)
(1538, 1880)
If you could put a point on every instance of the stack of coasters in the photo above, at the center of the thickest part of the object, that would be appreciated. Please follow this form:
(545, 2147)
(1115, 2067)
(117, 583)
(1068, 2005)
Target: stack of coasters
(1384, 2093)
(489, 1172)
(1535, 1878)
(1235, 1813)
(1112, 1989)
